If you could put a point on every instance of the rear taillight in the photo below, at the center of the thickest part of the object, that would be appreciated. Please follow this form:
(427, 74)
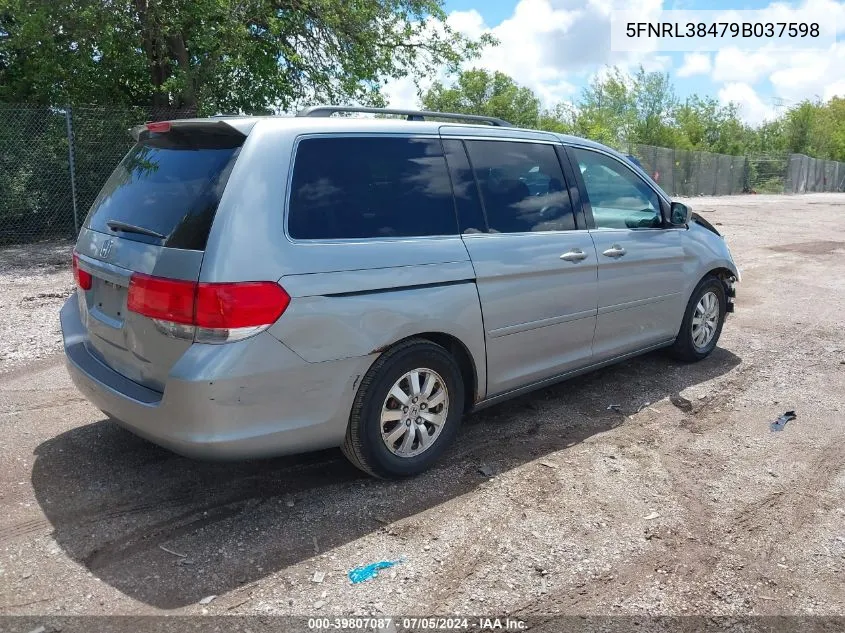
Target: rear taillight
(82, 277)
(207, 312)
(237, 305)
(166, 299)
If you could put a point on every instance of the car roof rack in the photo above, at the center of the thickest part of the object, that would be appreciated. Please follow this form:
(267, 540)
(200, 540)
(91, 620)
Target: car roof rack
(412, 115)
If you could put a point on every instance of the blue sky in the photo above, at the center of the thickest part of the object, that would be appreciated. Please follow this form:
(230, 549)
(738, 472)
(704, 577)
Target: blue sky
(556, 47)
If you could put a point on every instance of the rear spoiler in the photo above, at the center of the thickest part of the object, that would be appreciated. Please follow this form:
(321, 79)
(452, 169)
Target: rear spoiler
(240, 127)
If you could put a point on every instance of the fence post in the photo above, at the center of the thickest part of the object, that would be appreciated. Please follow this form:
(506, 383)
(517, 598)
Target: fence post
(716, 178)
(72, 166)
(698, 184)
(674, 188)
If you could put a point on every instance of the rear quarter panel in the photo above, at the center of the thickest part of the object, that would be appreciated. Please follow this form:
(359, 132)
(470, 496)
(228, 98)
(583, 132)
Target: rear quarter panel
(349, 298)
(358, 313)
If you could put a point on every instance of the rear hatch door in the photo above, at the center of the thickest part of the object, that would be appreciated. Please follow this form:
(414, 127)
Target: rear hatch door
(152, 217)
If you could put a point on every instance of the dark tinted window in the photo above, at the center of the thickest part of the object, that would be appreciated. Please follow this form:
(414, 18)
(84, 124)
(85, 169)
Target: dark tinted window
(470, 214)
(522, 186)
(168, 183)
(359, 187)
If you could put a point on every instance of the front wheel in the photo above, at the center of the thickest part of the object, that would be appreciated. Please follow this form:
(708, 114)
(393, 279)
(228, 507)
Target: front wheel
(703, 320)
(406, 411)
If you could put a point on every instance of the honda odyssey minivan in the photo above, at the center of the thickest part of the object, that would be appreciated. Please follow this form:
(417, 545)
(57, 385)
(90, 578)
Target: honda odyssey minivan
(259, 286)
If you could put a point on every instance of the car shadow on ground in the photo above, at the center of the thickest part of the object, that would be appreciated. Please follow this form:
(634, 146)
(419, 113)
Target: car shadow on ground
(168, 531)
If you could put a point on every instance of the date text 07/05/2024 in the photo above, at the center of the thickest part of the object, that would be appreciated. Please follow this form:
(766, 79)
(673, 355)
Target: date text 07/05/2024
(416, 624)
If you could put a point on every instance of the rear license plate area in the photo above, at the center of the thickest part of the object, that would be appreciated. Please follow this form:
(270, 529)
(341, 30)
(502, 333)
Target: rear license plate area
(109, 299)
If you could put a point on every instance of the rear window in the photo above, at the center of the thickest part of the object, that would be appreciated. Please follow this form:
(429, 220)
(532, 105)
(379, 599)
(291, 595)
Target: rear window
(366, 187)
(168, 184)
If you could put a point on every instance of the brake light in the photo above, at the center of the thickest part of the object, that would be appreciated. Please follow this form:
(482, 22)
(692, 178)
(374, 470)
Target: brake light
(236, 305)
(214, 312)
(159, 127)
(166, 299)
(83, 278)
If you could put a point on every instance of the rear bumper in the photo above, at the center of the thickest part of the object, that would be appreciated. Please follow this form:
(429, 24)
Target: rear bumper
(250, 399)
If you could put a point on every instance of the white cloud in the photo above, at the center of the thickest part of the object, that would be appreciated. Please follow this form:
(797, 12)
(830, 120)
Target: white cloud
(551, 46)
(810, 74)
(792, 75)
(695, 64)
(655, 63)
(402, 93)
(751, 107)
(469, 23)
(546, 45)
(526, 52)
(836, 89)
(733, 64)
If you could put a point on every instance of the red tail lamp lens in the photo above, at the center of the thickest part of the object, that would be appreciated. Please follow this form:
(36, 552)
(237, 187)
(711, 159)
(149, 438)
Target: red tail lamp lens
(83, 278)
(159, 298)
(207, 305)
(246, 304)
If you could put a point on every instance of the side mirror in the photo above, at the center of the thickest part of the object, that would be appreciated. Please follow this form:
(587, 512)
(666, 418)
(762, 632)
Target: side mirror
(679, 214)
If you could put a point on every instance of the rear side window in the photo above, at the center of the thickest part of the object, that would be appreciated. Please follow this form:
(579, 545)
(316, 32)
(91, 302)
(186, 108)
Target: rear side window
(522, 186)
(370, 187)
(168, 186)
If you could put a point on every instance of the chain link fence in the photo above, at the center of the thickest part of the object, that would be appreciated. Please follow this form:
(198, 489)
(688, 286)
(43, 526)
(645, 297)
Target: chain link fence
(692, 173)
(53, 162)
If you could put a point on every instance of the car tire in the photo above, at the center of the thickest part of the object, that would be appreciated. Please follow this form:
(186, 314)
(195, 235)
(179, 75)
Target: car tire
(379, 446)
(703, 320)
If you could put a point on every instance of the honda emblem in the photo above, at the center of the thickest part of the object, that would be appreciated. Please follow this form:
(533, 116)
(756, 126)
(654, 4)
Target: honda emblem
(105, 249)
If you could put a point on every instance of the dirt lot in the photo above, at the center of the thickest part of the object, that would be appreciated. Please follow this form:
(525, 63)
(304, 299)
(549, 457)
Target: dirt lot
(649, 510)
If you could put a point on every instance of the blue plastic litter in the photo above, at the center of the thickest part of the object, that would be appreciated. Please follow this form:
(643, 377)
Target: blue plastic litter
(366, 572)
(778, 424)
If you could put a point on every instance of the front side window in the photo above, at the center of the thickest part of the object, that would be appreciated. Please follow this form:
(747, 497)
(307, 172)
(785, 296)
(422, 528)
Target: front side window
(619, 198)
(370, 187)
(522, 186)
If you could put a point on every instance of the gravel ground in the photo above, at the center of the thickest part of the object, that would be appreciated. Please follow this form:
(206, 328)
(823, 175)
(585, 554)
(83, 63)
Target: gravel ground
(649, 510)
(35, 279)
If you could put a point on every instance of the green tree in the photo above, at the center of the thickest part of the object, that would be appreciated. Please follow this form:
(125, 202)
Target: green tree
(477, 91)
(799, 128)
(606, 112)
(621, 110)
(770, 137)
(836, 117)
(702, 123)
(220, 55)
(653, 104)
(816, 129)
(560, 118)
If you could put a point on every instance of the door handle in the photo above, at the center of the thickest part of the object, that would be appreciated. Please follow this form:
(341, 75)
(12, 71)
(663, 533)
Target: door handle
(614, 251)
(575, 255)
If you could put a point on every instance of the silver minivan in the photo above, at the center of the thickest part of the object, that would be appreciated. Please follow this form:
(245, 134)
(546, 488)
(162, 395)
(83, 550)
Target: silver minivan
(259, 286)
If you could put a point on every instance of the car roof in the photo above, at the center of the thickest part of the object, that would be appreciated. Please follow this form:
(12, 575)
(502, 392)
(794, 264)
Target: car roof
(393, 125)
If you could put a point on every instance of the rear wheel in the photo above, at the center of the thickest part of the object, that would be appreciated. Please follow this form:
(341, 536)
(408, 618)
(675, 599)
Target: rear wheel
(703, 320)
(406, 412)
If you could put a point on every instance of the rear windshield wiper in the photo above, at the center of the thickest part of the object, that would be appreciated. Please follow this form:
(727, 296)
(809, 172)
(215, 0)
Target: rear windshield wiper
(117, 225)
